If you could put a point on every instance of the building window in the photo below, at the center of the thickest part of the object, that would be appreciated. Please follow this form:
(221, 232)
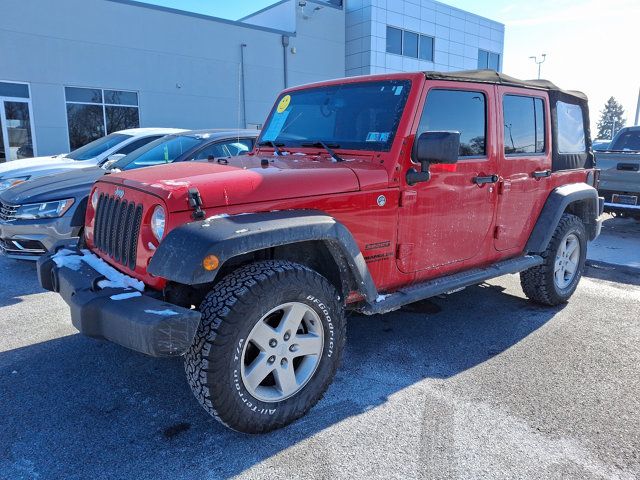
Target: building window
(409, 44)
(94, 112)
(426, 48)
(458, 110)
(394, 40)
(488, 60)
(523, 125)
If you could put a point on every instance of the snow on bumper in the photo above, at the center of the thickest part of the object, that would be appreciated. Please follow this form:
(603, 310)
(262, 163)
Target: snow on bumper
(109, 305)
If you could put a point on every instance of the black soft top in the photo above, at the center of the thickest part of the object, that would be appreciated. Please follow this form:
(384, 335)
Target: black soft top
(491, 76)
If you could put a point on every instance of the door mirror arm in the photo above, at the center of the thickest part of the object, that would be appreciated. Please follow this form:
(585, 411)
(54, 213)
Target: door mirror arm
(424, 175)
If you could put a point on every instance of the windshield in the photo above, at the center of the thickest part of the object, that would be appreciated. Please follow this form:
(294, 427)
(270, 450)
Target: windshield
(164, 150)
(354, 116)
(98, 147)
(628, 141)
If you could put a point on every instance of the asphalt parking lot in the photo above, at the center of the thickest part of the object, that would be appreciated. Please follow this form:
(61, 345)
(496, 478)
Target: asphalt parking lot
(479, 384)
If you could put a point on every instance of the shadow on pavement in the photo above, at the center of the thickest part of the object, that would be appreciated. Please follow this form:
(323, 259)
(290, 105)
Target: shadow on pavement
(17, 278)
(77, 408)
(612, 272)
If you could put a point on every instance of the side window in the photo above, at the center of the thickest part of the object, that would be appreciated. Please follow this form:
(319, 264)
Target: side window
(570, 128)
(226, 149)
(458, 110)
(239, 147)
(627, 141)
(136, 144)
(523, 125)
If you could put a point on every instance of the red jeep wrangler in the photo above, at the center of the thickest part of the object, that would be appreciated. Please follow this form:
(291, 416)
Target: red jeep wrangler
(363, 194)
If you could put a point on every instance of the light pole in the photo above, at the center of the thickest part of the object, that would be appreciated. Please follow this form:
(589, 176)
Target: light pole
(539, 62)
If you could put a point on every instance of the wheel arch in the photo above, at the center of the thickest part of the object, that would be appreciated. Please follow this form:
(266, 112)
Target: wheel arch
(307, 237)
(578, 199)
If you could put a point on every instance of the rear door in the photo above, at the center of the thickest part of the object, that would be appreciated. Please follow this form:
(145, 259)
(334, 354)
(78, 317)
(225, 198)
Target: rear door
(446, 220)
(524, 164)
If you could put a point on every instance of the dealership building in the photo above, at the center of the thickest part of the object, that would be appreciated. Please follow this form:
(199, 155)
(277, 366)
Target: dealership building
(75, 70)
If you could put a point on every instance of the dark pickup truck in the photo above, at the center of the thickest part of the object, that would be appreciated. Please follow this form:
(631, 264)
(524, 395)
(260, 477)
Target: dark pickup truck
(620, 173)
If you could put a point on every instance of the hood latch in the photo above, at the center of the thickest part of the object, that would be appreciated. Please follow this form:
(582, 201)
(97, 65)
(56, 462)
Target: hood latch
(195, 202)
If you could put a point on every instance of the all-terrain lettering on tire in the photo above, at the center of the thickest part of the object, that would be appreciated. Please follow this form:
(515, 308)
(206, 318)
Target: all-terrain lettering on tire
(269, 343)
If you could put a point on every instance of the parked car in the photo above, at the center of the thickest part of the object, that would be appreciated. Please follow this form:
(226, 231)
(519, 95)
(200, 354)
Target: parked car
(600, 145)
(620, 173)
(357, 198)
(122, 142)
(46, 213)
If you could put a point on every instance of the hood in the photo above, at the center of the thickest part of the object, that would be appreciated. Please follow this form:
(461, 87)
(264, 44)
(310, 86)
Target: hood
(76, 184)
(38, 166)
(242, 180)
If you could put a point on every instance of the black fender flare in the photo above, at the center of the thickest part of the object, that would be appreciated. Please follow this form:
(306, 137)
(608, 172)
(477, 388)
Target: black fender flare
(557, 202)
(179, 256)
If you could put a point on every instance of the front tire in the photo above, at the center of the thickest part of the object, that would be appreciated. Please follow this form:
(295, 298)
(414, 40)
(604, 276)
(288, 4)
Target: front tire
(553, 282)
(268, 345)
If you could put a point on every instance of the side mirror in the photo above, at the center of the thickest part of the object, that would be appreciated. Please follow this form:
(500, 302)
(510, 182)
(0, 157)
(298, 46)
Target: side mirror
(433, 147)
(111, 159)
(115, 157)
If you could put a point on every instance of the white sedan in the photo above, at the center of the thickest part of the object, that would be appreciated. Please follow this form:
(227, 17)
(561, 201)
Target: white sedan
(94, 153)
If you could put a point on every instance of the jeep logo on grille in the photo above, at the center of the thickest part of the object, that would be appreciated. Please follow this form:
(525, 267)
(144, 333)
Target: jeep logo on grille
(119, 193)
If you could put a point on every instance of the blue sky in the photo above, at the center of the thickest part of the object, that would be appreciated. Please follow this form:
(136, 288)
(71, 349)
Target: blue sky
(591, 45)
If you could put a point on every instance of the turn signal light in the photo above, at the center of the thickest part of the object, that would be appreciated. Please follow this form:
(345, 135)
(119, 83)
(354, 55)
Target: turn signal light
(210, 262)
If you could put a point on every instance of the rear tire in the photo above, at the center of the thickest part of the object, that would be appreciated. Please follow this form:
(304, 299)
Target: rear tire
(268, 345)
(553, 282)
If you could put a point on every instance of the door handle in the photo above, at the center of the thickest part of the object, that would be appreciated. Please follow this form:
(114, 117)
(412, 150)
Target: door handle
(629, 167)
(541, 174)
(488, 179)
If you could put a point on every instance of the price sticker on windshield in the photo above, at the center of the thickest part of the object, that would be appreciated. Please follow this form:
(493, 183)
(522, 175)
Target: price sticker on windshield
(284, 103)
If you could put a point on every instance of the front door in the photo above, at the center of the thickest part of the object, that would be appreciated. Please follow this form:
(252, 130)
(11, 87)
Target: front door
(16, 127)
(446, 220)
(524, 165)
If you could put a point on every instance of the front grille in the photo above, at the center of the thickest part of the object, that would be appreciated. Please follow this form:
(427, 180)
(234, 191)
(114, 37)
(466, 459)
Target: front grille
(116, 229)
(8, 212)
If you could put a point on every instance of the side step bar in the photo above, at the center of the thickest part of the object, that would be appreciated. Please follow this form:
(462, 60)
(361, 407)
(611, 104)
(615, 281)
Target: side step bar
(420, 291)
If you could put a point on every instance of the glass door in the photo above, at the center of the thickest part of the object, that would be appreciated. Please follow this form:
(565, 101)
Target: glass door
(16, 125)
(16, 130)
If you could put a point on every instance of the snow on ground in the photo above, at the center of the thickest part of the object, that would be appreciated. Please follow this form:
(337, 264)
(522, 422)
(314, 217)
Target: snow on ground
(619, 243)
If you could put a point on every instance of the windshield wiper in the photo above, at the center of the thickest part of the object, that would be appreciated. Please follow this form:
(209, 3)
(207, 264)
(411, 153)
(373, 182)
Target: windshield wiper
(328, 148)
(269, 143)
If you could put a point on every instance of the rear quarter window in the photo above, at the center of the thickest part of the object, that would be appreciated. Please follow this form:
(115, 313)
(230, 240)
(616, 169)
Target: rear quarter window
(570, 128)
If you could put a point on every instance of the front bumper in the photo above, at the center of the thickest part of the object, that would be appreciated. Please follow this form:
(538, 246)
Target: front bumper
(143, 323)
(29, 239)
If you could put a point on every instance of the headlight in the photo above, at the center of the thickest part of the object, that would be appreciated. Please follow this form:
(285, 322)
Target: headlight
(10, 182)
(94, 199)
(33, 211)
(157, 222)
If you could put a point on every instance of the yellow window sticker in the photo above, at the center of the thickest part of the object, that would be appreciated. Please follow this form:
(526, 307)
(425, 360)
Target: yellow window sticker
(284, 103)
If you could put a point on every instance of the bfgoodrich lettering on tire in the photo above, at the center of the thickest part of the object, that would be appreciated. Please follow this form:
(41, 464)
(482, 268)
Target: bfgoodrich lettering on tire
(268, 346)
(557, 278)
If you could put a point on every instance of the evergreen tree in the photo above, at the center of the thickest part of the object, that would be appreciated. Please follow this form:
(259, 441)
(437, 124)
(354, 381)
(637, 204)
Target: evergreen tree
(611, 119)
